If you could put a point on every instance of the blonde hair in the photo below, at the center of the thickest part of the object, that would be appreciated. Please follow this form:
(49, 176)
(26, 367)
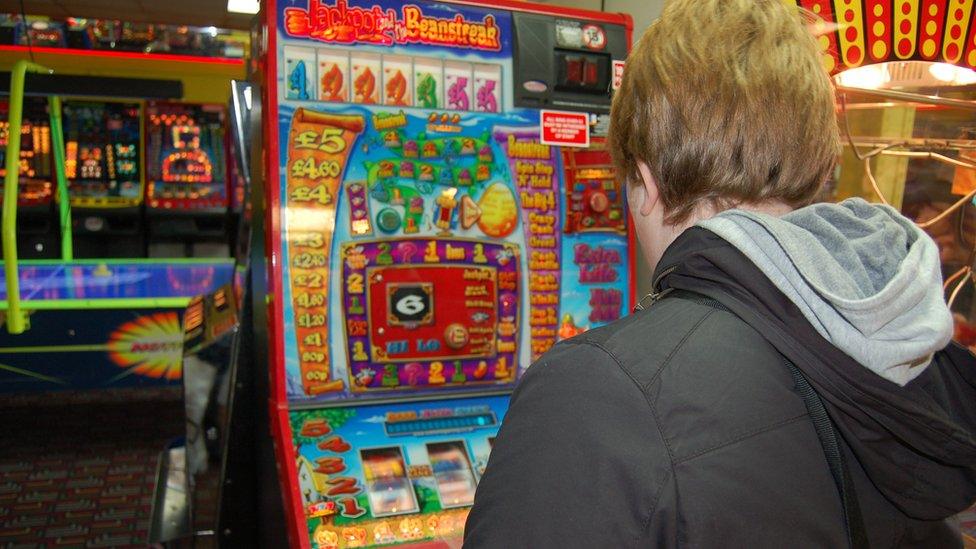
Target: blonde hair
(727, 103)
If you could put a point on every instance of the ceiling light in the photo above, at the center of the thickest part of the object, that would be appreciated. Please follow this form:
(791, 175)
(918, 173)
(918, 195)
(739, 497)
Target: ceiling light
(943, 71)
(868, 77)
(951, 74)
(243, 6)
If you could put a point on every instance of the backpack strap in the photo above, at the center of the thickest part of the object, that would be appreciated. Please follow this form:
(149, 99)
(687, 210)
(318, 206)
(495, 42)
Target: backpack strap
(829, 440)
(853, 520)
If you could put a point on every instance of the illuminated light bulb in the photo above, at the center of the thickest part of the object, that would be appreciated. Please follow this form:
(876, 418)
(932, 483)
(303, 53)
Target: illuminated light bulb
(951, 74)
(943, 71)
(868, 77)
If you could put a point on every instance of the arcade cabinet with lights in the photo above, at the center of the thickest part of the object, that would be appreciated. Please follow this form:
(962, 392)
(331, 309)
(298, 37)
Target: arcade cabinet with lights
(441, 211)
(187, 180)
(38, 232)
(103, 167)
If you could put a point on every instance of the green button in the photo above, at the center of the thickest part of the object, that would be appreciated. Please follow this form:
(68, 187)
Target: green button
(388, 220)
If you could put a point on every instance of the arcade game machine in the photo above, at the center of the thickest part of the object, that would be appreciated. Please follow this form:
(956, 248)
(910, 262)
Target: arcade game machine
(905, 72)
(103, 167)
(442, 210)
(187, 183)
(37, 222)
(77, 324)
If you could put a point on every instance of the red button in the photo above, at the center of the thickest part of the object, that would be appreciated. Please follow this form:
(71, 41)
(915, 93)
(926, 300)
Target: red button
(599, 202)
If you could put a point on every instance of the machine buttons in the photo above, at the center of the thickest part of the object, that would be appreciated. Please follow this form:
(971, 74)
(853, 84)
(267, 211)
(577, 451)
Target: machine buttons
(388, 220)
(599, 202)
(456, 336)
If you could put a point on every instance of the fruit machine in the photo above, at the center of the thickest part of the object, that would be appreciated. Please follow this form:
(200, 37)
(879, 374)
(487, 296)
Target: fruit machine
(442, 211)
(187, 185)
(38, 232)
(103, 169)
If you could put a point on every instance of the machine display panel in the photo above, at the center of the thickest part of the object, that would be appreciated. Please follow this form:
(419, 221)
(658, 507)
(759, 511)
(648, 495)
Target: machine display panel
(186, 156)
(36, 157)
(392, 473)
(103, 152)
(430, 241)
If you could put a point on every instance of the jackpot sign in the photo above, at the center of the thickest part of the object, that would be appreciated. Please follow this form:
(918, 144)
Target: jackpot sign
(341, 23)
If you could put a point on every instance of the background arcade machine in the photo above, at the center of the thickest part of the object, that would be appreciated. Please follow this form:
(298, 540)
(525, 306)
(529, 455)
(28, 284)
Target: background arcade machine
(75, 325)
(428, 237)
(36, 223)
(103, 167)
(187, 183)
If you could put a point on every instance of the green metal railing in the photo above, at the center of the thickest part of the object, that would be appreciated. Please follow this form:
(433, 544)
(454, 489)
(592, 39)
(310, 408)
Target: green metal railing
(17, 319)
(64, 204)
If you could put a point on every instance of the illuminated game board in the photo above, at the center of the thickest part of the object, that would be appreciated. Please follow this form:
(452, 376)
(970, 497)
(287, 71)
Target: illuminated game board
(457, 215)
(36, 175)
(103, 163)
(392, 473)
(185, 156)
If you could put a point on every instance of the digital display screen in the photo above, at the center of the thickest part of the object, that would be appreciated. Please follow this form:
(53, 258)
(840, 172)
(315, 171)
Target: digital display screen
(582, 71)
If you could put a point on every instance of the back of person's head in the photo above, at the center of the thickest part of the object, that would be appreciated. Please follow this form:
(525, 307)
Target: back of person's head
(727, 103)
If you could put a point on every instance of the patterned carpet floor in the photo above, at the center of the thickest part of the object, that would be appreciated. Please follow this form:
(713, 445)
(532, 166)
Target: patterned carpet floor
(81, 475)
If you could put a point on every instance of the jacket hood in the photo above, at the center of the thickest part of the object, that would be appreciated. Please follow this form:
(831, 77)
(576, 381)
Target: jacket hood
(865, 277)
(917, 440)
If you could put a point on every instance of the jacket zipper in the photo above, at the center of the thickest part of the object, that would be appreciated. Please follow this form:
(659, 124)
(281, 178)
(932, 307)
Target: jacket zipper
(655, 294)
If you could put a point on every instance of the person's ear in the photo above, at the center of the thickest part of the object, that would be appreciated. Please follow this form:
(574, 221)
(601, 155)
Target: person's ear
(649, 185)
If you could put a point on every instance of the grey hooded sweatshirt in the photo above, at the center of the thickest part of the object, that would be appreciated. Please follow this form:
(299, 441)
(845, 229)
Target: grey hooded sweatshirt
(867, 278)
(681, 425)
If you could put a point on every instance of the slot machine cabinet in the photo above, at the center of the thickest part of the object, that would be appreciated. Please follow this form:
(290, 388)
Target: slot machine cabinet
(38, 232)
(103, 169)
(187, 179)
(427, 242)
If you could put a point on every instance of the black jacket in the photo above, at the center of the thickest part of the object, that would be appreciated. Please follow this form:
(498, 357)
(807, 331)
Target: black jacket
(680, 425)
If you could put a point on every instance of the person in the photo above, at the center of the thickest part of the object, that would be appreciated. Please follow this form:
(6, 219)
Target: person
(790, 381)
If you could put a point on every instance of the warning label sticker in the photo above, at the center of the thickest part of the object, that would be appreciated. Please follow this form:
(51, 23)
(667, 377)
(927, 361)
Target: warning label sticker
(565, 129)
